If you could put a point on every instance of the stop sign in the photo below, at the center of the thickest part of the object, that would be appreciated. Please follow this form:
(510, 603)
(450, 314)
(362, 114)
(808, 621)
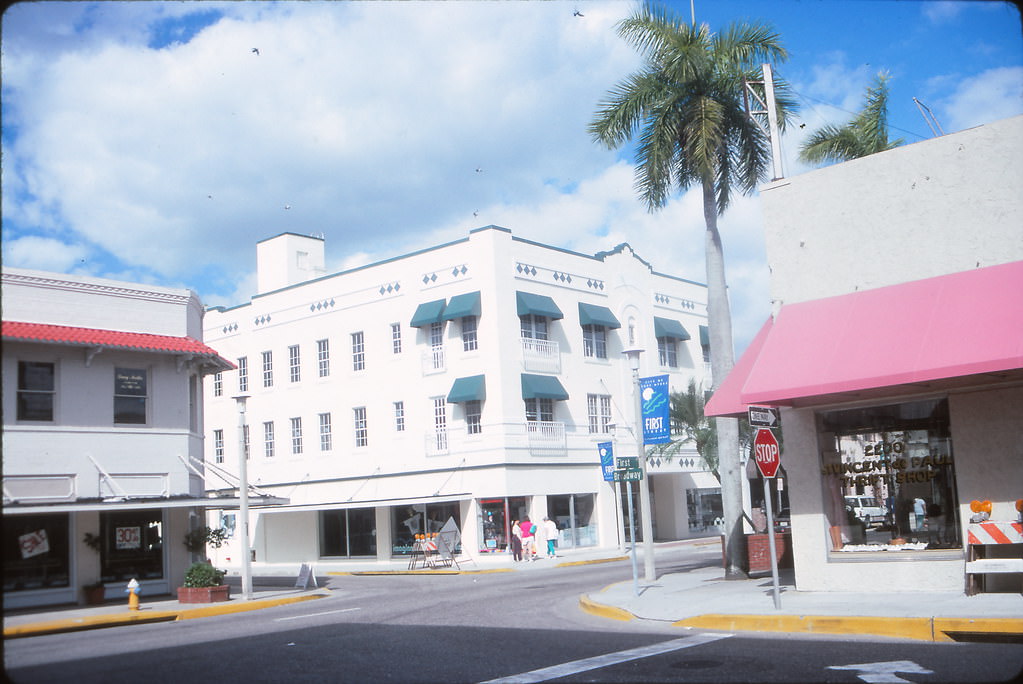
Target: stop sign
(766, 452)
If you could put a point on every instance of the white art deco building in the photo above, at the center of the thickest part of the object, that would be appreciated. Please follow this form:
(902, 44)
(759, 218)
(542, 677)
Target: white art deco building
(472, 380)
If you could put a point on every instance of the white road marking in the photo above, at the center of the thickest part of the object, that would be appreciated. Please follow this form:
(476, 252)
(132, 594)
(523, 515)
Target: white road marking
(884, 673)
(596, 662)
(307, 615)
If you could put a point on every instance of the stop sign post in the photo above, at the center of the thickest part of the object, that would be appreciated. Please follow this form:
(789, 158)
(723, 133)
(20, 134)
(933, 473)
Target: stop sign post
(767, 454)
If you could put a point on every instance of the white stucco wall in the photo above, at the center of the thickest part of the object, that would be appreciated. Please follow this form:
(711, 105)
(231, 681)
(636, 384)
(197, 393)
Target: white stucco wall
(939, 206)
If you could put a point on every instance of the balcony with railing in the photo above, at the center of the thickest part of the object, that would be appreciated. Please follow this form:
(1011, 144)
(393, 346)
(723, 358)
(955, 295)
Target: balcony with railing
(433, 361)
(546, 438)
(541, 355)
(437, 442)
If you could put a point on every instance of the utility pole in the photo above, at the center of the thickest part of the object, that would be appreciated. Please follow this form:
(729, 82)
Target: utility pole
(768, 107)
(646, 526)
(243, 501)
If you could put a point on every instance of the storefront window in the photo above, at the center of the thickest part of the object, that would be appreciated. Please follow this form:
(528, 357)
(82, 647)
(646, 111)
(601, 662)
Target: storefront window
(706, 513)
(888, 478)
(576, 522)
(408, 521)
(36, 551)
(496, 518)
(348, 533)
(132, 545)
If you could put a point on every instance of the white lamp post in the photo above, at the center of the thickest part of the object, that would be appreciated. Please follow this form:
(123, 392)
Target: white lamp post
(649, 569)
(243, 498)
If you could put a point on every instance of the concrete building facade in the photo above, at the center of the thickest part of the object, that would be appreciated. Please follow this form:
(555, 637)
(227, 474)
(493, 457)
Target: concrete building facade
(895, 353)
(470, 381)
(102, 434)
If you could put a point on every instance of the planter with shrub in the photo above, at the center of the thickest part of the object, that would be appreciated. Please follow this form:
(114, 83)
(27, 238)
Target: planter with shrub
(203, 584)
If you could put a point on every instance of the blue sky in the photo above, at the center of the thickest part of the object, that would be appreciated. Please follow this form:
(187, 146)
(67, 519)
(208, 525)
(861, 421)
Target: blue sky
(149, 141)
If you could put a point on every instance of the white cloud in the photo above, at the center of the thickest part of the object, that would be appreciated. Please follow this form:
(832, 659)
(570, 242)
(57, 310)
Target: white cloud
(44, 254)
(992, 95)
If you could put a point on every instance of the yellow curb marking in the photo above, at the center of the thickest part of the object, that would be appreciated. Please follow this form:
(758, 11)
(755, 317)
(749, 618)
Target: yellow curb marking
(339, 573)
(601, 610)
(567, 564)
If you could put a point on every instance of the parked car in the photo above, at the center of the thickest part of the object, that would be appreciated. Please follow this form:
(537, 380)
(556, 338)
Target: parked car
(867, 510)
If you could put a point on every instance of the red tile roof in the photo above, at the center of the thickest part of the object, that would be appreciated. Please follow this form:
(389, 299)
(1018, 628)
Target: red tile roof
(18, 331)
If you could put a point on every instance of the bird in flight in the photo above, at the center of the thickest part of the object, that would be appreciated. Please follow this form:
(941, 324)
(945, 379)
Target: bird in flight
(479, 170)
(577, 13)
(255, 51)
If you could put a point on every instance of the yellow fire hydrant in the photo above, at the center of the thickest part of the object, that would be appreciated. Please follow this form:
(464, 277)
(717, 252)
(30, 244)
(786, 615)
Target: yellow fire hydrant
(133, 597)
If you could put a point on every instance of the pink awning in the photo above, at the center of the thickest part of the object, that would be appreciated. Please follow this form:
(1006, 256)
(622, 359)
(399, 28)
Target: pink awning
(951, 326)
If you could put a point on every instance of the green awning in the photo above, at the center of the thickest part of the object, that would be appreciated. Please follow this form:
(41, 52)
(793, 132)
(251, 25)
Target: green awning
(538, 305)
(430, 312)
(463, 305)
(472, 388)
(542, 387)
(704, 336)
(669, 327)
(591, 314)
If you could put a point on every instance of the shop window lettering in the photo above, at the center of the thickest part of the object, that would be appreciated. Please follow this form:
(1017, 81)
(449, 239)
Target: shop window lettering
(871, 473)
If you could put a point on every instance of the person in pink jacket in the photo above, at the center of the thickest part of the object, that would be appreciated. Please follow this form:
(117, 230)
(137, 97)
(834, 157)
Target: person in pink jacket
(528, 537)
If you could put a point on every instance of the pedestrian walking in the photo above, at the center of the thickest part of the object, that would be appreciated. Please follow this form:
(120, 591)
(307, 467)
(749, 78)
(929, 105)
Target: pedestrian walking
(528, 537)
(516, 541)
(551, 532)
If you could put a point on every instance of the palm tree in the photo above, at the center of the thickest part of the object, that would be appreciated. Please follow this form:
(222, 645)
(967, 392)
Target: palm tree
(686, 107)
(866, 134)
(689, 426)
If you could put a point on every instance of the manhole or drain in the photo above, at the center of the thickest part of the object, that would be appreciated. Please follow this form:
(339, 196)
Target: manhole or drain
(697, 664)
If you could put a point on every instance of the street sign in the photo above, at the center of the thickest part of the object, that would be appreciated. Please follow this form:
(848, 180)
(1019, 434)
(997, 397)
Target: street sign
(763, 416)
(628, 475)
(627, 462)
(766, 452)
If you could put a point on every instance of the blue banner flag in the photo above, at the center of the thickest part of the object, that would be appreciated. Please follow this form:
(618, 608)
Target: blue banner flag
(607, 460)
(653, 394)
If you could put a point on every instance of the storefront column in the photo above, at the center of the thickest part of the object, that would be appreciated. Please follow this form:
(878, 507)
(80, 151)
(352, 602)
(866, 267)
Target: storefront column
(383, 531)
(85, 561)
(471, 526)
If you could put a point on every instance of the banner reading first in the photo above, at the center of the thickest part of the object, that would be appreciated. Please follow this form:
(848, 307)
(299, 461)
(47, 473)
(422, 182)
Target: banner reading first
(653, 392)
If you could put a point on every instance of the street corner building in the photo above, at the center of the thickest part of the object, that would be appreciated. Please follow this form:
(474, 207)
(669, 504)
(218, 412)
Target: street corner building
(895, 355)
(102, 435)
(467, 382)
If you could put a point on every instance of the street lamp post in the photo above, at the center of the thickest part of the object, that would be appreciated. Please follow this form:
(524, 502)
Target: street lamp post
(243, 500)
(649, 569)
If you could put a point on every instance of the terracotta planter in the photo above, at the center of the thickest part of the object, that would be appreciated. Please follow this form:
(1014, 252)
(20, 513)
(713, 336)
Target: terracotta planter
(94, 596)
(204, 594)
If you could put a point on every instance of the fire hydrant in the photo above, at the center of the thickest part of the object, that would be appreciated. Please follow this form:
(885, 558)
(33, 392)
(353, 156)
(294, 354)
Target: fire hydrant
(133, 597)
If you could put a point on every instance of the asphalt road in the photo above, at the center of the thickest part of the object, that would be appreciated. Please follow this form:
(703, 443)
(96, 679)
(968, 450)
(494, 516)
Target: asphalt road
(526, 626)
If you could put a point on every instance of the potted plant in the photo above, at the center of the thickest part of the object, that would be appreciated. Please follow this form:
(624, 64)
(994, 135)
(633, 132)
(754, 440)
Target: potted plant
(95, 592)
(203, 584)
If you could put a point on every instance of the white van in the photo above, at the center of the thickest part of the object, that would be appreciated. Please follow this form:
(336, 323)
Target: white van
(866, 510)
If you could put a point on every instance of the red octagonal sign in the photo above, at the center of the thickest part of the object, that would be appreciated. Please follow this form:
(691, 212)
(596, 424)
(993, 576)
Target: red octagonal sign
(766, 452)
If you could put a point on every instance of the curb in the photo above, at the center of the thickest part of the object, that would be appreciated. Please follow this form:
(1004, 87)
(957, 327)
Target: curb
(144, 617)
(594, 561)
(590, 606)
(371, 573)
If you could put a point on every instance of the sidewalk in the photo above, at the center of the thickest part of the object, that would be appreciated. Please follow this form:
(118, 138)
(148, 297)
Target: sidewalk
(704, 599)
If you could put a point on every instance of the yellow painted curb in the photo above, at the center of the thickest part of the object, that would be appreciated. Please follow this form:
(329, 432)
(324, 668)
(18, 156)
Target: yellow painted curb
(145, 616)
(921, 629)
(601, 610)
(994, 626)
(568, 564)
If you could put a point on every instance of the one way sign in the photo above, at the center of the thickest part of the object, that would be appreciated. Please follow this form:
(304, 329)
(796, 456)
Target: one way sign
(762, 416)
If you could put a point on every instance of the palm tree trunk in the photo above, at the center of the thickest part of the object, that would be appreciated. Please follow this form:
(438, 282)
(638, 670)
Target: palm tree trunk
(722, 358)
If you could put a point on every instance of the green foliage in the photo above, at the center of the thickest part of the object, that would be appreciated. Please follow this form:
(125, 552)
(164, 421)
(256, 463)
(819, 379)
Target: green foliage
(203, 575)
(198, 539)
(866, 134)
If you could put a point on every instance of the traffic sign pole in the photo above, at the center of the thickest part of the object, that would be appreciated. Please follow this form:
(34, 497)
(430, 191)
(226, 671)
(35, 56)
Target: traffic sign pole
(632, 538)
(770, 542)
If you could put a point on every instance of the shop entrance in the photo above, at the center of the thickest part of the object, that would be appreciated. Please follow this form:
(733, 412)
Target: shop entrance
(496, 516)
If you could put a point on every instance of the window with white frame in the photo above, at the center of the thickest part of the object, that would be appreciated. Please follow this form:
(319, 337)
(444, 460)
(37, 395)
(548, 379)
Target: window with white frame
(361, 430)
(323, 357)
(358, 352)
(296, 435)
(667, 351)
(131, 393)
(396, 338)
(533, 327)
(598, 412)
(594, 341)
(243, 374)
(325, 432)
(268, 439)
(440, 422)
(268, 369)
(218, 446)
(539, 409)
(295, 363)
(469, 341)
(218, 384)
(37, 390)
(473, 416)
(399, 416)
